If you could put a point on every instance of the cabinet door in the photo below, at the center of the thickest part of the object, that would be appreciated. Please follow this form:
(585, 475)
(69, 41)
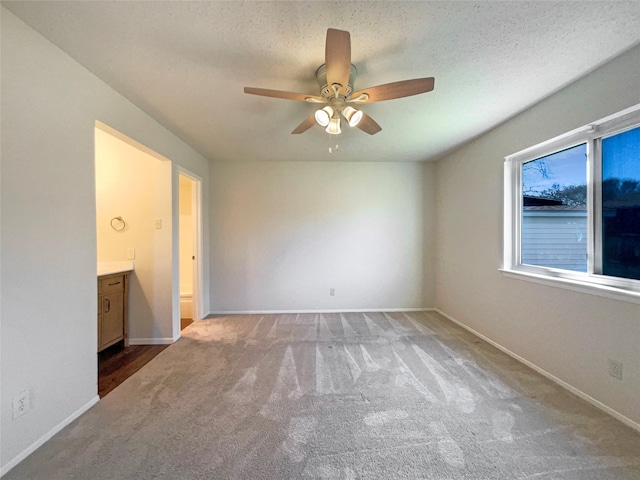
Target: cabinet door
(100, 329)
(112, 317)
(100, 302)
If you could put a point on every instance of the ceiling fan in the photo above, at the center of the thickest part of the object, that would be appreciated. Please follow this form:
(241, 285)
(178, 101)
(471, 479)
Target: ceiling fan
(336, 78)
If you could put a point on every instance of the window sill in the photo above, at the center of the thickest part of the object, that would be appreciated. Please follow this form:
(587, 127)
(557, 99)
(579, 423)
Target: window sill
(575, 285)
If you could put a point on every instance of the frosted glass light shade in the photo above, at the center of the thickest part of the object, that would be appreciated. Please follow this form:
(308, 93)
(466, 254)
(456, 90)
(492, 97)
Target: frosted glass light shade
(334, 126)
(324, 115)
(352, 115)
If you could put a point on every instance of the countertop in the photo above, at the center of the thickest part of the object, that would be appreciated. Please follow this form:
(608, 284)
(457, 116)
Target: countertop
(108, 268)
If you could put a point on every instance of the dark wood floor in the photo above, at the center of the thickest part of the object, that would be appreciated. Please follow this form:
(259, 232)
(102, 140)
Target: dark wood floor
(117, 363)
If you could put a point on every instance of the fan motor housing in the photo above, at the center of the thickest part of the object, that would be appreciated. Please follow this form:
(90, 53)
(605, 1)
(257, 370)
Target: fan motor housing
(325, 90)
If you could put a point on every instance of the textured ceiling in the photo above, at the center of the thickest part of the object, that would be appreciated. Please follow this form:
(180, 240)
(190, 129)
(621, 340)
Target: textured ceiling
(186, 63)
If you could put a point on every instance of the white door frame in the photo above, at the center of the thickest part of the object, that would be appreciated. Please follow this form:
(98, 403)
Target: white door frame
(198, 267)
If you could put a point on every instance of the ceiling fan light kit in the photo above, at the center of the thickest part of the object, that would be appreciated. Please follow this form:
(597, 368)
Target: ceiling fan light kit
(352, 115)
(334, 126)
(323, 116)
(336, 78)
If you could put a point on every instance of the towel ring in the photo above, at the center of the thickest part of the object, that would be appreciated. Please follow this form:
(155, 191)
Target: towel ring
(120, 224)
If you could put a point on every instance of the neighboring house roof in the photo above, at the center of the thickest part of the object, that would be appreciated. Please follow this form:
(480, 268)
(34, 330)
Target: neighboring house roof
(530, 201)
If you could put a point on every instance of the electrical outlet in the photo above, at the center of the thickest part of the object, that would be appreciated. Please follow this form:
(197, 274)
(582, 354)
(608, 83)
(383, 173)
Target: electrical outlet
(158, 224)
(332, 292)
(131, 253)
(20, 404)
(615, 369)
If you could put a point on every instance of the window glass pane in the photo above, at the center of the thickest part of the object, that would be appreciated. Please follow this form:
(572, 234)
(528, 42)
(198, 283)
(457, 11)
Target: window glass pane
(554, 210)
(621, 204)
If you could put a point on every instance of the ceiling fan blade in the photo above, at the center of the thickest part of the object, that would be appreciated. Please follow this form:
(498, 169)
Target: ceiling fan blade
(389, 91)
(303, 97)
(306, 124)
(337, 57)
(368, 125)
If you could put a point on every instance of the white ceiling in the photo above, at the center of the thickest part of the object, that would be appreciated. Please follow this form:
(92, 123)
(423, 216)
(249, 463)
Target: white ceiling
(186, 63)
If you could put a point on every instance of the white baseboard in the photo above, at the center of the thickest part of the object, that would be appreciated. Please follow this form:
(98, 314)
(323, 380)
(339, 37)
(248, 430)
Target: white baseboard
(351, 310)
(596, 403)
(151, 341)
(38, 443)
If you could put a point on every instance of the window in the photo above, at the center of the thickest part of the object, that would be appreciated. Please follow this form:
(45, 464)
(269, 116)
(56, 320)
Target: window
(554, 210)
(572, 207)
(621, 204)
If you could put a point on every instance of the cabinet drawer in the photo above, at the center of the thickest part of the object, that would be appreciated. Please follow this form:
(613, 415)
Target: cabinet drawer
(111, 284)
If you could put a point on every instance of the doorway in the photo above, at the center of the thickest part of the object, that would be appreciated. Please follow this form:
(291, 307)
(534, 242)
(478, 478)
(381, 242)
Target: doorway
(133, 210)
(189, 247)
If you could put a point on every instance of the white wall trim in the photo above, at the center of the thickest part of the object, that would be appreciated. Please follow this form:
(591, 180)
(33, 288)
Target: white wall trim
(152, 341)
(352, 310)
(596, 403)
(38, 443)
(198, 291)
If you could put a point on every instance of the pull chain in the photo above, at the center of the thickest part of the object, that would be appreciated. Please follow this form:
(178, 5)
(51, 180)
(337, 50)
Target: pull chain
(331, 148)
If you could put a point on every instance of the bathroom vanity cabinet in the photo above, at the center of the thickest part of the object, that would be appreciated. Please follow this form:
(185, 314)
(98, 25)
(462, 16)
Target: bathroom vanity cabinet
(113, 299)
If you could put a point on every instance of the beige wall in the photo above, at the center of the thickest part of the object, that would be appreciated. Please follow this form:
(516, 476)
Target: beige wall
(570, 335)
(283, 234)
(136, 186)
(49, 294)
(186, 235)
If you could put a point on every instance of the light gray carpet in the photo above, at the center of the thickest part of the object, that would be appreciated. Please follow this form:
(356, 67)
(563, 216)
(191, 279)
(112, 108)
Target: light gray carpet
(337, 396)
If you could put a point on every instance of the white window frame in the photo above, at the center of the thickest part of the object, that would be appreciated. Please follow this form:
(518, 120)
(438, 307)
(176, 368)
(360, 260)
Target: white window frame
(592, 281)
